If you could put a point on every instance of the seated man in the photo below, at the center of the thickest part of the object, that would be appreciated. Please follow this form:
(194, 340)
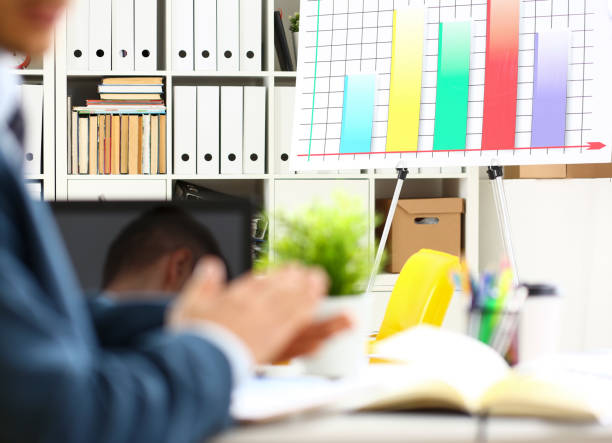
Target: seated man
(156, 253)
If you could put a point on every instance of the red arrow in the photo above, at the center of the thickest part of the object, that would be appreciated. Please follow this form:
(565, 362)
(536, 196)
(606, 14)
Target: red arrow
(591, 146)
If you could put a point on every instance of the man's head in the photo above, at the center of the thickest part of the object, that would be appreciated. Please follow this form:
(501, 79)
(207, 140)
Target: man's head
(27, 25)
(157, 252)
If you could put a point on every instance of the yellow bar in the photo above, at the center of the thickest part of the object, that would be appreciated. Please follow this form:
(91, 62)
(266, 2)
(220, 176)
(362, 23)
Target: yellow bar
(406, 76)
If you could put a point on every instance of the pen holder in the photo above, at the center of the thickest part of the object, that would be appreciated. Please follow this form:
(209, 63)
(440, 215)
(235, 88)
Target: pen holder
(483, 323)
(532, 330)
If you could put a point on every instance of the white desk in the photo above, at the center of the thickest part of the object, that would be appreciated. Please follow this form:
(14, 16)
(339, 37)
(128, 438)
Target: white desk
(360, 428)
(417, 428)
(506, 430)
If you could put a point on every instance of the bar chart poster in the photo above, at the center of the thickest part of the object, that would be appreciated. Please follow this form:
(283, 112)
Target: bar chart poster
(428, 83)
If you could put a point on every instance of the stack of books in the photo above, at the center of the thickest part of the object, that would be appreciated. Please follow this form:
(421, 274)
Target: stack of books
(122, 133)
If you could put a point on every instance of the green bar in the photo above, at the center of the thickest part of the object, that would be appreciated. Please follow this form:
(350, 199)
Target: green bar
(453, 85)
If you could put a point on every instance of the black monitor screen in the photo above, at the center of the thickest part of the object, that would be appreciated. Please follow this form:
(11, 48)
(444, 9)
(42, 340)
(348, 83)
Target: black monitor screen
(89, 228)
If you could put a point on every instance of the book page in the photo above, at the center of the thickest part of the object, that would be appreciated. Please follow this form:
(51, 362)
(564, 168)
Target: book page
(268, 399)
(436, 357)
(571, 386)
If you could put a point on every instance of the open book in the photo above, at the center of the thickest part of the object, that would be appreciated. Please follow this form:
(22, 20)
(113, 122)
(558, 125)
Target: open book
(439, 369)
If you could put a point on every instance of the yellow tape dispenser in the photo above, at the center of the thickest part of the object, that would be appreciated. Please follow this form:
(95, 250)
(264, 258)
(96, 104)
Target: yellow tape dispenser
(422, 293)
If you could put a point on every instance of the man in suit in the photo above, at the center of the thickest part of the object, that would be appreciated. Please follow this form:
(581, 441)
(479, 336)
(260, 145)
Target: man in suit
(61, 378)
(156, 253)
(155, 256)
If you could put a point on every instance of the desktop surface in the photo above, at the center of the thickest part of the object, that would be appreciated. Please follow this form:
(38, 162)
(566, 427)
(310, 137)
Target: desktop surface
(404, 427)
(88, 228)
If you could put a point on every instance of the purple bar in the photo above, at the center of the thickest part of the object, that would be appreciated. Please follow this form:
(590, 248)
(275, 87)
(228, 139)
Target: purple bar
(550, 88)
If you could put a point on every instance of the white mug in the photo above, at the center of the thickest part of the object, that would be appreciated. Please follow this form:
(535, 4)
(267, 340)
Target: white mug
(540, 323)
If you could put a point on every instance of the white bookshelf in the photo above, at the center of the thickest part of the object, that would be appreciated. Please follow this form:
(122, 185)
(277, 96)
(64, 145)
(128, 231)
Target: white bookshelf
(261, 189)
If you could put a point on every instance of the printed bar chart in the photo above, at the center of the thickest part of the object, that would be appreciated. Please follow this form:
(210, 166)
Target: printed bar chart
(550, 88)
(406, 75)
(453, 85)
(501, 74)
(456, 83)
(358, 113)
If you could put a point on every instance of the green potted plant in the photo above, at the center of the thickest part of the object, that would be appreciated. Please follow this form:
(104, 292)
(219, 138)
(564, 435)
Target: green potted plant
(332, 235)
(294, 27)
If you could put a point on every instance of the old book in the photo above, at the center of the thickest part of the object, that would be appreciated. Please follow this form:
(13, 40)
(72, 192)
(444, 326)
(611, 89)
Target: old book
(115, 143)
(101, 136)
(83, 144)
(107, 144)
(74, 153)
(130, 96)
(125, 131)
(146, 144)
(93, 144)
(133, 81)
(154, 144)
(133, 144)
(140, 144)
(162, 144)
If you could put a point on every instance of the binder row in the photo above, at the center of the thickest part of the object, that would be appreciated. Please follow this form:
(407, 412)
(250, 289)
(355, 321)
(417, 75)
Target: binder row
(216, 35)
(119, 35)
(219, 130)
(104, 143)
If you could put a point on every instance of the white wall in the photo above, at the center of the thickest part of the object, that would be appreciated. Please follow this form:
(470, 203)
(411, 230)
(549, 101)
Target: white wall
(561, 231)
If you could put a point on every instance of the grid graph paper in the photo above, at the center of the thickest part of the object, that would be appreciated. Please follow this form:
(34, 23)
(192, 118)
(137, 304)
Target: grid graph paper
(340, 38)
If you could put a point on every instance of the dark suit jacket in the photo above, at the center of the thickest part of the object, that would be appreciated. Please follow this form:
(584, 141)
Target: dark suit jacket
(64, 378)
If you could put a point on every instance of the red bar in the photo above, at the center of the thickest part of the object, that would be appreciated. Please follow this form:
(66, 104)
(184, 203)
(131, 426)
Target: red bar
(501, 74)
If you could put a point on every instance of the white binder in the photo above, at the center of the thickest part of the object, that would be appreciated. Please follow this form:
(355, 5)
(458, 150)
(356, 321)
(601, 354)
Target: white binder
(231, 129)
(250, 35)
(182, 35)
(254, 152)
(145, 35)
(228, 35)
(100, 39)
(208, 130)
(77, 36)
(32, 99)
(122, 58)
(185, 129)
(284, 101)
(205, 29)
(146, 144)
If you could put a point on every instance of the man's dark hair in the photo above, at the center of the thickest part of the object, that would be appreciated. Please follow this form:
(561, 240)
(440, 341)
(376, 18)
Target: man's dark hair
(154, 234)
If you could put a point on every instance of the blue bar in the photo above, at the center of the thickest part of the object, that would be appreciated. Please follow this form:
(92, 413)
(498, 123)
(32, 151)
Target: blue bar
(358, 113)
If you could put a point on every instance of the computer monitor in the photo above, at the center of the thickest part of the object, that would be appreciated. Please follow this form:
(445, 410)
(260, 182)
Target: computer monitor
(88, 229)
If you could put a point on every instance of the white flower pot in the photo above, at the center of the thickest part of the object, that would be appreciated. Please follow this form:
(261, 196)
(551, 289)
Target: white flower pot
(296, 44)
(344, 354)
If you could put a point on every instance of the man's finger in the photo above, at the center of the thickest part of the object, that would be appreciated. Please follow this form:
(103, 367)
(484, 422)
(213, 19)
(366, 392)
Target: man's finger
(332, 326)
(313, 336)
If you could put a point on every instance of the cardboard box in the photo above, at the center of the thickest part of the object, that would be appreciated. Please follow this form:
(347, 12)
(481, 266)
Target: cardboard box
(590, 170)
(535, 171)
(427, 223)
(594, 170)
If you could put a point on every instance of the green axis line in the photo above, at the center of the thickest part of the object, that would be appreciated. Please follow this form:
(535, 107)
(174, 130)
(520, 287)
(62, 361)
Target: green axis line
(315, 78)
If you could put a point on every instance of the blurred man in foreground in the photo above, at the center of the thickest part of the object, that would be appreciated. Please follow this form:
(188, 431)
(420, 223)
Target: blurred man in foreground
(58, 382)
